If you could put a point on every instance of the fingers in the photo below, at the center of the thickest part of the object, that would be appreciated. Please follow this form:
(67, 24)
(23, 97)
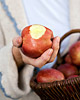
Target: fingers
(39, 62)
(55, 47)
(17, 41)
(26, 59)
(44, 58)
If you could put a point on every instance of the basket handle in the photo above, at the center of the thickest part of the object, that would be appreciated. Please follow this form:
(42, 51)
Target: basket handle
(59, 59)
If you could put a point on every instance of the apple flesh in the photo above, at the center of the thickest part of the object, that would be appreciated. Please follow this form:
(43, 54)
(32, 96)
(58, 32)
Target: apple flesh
(49, 75)
(74, 52)
(68, 69)
(36, 40)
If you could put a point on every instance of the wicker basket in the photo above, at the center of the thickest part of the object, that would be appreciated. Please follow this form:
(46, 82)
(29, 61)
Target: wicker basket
(68, 89)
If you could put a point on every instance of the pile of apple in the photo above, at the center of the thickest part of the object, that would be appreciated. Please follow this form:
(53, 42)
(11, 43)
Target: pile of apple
(64, 71)
(72, 61)
(36, 40)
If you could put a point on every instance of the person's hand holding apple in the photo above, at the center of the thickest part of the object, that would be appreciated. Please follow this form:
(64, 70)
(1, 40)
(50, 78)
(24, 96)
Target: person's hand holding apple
(41, 48)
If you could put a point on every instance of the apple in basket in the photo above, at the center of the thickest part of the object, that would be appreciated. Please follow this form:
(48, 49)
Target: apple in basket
(68, 69)
(49, 75)
(68, 59)
(72, 76)
(74, 52)
(36, 40)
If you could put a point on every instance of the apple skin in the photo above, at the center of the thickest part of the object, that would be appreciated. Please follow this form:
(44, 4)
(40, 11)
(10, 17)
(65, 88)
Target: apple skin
(35, 47)
(68, 69)
(72, 76)
(74, 52)
(68, 59)
(49, 75)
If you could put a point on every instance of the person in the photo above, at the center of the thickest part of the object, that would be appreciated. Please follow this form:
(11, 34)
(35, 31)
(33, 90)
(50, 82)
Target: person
(58, 15)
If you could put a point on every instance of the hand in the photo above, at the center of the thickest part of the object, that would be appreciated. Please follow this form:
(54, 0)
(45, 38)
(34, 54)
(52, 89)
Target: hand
(48, 56)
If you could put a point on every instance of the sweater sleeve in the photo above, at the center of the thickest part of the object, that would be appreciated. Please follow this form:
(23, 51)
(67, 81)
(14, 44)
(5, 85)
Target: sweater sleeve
(9, 75)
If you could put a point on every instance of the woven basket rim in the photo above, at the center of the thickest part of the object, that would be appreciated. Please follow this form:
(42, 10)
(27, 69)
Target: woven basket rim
(71, 81)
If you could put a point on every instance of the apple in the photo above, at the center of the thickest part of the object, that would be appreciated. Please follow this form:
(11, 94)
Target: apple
(74, 52)
(72, 76)
(68, 59)
(49, 75)
(36, 40)
(68, 69)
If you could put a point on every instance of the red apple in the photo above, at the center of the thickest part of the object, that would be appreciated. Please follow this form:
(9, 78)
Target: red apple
(72, 76)
(49, 75)
(68, 59)
(68, 69)
(74, 52)
(36, 40)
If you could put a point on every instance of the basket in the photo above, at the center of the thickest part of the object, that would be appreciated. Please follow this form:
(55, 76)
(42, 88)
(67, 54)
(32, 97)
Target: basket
(68, 89)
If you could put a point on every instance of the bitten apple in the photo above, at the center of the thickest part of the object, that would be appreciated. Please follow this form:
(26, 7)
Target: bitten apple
(49, 75)
(68, 69)
(74, 52)
(36, 40)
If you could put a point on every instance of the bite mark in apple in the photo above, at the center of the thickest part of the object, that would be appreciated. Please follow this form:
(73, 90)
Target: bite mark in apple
(37, 31)
(36, 40)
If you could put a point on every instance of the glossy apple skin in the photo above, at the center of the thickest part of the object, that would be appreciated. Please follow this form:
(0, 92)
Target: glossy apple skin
(35, 47)
(49, 75)
(72, 76)
(74, 52)
(68, 69)
(68, 59)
